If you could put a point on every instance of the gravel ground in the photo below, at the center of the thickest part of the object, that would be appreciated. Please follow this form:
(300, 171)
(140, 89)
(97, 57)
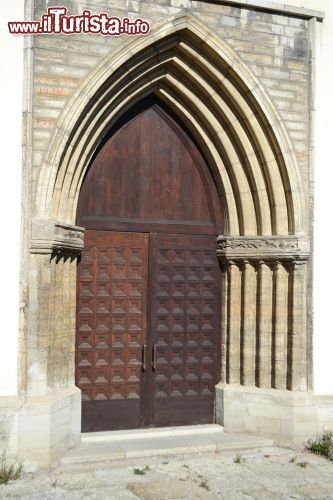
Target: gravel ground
(259, 474)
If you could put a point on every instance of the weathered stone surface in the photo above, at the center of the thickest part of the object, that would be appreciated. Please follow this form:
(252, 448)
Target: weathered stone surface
(167, 490)
(267, 248)
(289, 418)
(49, 235)
(272, 473)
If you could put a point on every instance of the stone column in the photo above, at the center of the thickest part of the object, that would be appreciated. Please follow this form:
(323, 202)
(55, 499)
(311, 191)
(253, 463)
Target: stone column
(248, 336)
(270, 326)
(281, 278)
(38, 328)
(265, 325)
(266, 319)
(224, 324)
(298, 326)
(54, 251)
(61, 312)
(234, 324)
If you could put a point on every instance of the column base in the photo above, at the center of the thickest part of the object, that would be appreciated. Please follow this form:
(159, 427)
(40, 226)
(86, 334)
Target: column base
(39, 430)
(324, 406)
(288, 417)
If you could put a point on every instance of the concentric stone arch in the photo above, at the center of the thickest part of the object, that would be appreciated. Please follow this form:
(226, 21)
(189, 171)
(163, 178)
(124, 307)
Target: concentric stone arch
(219, 100)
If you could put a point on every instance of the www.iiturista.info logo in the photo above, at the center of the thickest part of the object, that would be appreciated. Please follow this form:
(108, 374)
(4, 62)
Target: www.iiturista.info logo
(57, 21)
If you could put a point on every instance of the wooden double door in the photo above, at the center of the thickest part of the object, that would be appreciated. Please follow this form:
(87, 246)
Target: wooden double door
(148, 298)
(147, 345)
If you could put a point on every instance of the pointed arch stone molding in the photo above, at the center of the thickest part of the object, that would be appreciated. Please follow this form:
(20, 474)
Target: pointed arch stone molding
(220, 101)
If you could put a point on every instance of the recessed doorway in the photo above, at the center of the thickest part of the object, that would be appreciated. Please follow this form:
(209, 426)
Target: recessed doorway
(148, 287)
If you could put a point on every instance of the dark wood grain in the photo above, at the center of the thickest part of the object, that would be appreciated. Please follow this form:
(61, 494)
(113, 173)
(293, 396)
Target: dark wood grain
(149, 170)
(112, 329)
(148, 275)
(184, 329)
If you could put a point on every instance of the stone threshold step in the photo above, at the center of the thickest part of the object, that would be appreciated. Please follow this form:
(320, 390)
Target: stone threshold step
(88, 452)
(116, 436)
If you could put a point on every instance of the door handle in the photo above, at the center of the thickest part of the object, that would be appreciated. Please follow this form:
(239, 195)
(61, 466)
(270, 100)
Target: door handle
(154, 356)
(144, 358)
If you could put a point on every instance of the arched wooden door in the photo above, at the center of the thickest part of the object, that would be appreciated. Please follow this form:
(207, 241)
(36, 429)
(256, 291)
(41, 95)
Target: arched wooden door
(148, 294)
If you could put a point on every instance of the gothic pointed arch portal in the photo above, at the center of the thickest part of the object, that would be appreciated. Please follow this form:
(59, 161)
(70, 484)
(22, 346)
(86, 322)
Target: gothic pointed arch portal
(263, 243)
(148, 297)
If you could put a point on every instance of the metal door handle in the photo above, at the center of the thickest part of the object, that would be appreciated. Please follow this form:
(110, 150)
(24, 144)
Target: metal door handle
(154, 356)
(144, 357)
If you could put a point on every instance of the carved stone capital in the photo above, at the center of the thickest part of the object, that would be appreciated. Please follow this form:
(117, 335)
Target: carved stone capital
(49, 236)
(262, 248)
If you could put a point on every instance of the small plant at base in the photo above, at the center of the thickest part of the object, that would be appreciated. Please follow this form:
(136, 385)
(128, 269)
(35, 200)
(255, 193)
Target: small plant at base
(10, 469)
(141, 472)
(238, 459)
(204, 484)
(302, 464)
(322, 446)
(292, 460)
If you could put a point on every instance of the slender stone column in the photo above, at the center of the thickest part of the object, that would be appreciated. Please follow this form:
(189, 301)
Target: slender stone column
(38, 334)
(280, 327)
(248, 335)
(234, 324)
(298, 330)
(64, 334)
(265, 325)
(224, 324)
(72, 320)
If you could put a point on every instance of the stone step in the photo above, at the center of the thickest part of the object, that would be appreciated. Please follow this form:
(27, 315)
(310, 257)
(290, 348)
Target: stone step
(116, 436)
(163, 444)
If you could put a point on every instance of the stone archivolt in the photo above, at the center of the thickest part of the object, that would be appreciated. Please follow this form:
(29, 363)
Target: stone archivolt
(223, 105)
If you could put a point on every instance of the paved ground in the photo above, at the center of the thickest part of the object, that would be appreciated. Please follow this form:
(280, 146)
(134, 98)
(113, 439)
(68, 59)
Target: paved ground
(269, 473)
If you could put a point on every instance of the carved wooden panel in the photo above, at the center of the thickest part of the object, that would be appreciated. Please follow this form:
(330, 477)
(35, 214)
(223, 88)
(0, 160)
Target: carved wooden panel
(111, 328)
(184, 329)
